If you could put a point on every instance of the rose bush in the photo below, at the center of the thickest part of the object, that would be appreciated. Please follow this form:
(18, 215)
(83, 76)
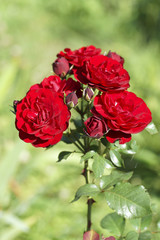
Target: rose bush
(78, 56)
(104, 73)
(41, 117)
(125, 114)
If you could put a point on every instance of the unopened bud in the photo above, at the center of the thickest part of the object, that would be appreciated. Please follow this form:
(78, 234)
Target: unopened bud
(88, 94)
(61, 67)
(71, 100)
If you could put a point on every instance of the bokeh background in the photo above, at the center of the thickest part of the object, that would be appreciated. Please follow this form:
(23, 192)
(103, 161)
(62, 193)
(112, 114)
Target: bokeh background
(35, 190)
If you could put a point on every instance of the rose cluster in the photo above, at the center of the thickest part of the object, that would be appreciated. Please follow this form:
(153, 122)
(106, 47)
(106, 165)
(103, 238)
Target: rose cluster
(43, 114)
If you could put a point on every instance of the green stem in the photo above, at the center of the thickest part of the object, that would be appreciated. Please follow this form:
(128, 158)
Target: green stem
(74, 142)
(86, 148)
(90, 200)
(100, 148)
(78, 141)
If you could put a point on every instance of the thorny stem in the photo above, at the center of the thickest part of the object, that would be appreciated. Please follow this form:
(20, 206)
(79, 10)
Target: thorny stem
(89, 223)
(90, 200)
(85, 148)
(86, 171)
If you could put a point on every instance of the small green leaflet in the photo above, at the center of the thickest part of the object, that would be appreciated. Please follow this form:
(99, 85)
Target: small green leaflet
(99, 164)
(151, 128)
(138, 236)
(86, 190)
(114, 178)
(64, 155)
(128, 200)
(132, 236)
(113, 223)
(141, 224)
(116, 158)
(88, 155)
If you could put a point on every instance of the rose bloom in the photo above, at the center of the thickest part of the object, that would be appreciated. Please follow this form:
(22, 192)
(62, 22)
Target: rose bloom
(95, 127)
(41, 117)
(78, 56)
(55, 83)
(104, 73)
(125, 114)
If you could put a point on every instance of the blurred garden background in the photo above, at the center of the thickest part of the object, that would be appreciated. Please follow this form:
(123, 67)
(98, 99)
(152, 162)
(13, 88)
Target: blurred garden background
(35, 190)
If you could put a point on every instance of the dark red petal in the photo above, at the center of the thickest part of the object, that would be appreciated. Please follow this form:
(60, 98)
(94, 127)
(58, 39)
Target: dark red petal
(113, 136)
(42, 143)
(28, 138)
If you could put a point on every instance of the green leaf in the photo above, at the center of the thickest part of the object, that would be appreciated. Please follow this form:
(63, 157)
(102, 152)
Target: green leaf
(132, 236)
(113, 223)
(155, 236)
(88, 155)
(125, 148)
(128, 200)
(151, 128)
(120, 146)
(113, 178)
(98, 167)
(86, 190)
(64, 155)
(128, 151)
(99, 164)
(141, 224)
(116, 158)
(145, 236)
(107, 163)
(139, 236)
(133, 145)
(104, 141)
(66, 139)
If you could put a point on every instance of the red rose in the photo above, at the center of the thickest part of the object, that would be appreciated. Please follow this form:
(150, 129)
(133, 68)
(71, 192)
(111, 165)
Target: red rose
(125, 114)
(77, 57)
(42, 117)
(104, 73)
(54, 83)
(95, 127)
(116, 57)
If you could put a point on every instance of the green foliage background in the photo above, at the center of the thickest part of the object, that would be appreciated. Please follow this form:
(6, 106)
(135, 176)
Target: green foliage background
(35, 191)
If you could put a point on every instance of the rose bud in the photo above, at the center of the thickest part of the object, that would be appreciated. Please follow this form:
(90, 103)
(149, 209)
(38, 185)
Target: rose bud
(95, 127)
(88, 94)
(71, 100)
(116, 57)
(60, 67)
